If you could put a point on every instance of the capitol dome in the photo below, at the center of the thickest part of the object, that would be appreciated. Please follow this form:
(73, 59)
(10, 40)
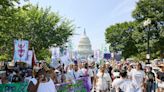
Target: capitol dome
(84, 47)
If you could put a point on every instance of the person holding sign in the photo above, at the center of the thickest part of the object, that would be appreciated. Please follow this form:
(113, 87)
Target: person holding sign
(42, 84)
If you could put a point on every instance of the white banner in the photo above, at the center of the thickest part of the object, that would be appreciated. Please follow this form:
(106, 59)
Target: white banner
(20, 50)
(29, 59)
(65, 60)
(55, 52)
(54, 63)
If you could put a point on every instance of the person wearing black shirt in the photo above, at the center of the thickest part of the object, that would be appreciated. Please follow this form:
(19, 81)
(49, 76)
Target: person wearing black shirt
(150, 83)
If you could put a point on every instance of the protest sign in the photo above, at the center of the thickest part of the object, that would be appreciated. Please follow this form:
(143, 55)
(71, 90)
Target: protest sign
(29, 57)
(117, 56)
(75, 55)
(97, 54)
(55, 52)
(80, 85)
(65, 60)
(20, 50)
(54, 58)
(14, 87)
(107, 56)
(54, 63)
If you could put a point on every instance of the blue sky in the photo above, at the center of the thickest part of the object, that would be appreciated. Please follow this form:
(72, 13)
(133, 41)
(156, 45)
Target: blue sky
(93, 15)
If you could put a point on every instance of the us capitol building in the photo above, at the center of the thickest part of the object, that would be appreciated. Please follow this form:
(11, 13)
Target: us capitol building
(84, 47)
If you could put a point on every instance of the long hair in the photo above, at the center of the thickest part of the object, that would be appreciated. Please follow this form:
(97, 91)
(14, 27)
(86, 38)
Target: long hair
(140, 66)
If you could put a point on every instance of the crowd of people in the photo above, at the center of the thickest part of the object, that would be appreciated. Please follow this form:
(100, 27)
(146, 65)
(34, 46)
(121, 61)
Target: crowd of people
(105, 77)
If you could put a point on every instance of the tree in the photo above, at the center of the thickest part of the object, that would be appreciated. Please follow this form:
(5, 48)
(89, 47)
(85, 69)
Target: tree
(40, 26)
(120, 38)
(7, 9)
(154, 10)
(137, 39)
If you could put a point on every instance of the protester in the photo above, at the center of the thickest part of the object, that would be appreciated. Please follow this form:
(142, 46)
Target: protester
(109, 68)
(51, 73)
(71, 74)
(87, 72)
(129, 70)
(93, 70)
(123, 84)
(138, 78)
(160, 78)
(59, 76)
(150, 80)
(28, 75)
(91, 75)
(42, 84)
(76, 72)
(3, 78)
(17, 77)
(96, 77)
(103, 80)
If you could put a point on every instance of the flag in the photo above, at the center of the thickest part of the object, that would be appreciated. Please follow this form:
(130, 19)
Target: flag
(34, 59)
(75, 55)
(97, 54)
(20, 50)
(65, 60)
(55, 52)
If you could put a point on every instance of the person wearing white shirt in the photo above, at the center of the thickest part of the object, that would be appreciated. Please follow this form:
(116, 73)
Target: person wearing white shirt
(70, 76)
(129, 71)
(123, 84)
(102, 80)
(138, 78)
(73, 74)
(42, 83)
(76, 73)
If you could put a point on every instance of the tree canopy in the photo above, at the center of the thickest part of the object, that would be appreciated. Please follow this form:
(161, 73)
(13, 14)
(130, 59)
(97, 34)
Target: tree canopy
(41, 27)
(131, 37)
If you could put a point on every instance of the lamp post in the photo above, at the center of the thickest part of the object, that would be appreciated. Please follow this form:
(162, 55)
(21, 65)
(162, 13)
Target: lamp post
(146, 24)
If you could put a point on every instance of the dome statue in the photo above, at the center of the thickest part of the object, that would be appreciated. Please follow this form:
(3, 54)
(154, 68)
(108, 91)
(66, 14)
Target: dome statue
(84, 47)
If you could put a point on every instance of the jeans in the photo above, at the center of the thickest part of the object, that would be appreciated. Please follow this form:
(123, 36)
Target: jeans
(150, 87)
